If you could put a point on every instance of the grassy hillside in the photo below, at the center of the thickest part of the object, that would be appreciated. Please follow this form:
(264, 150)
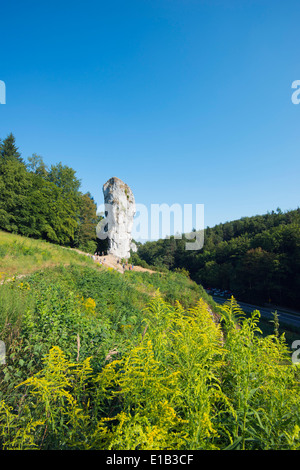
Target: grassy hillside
(22, 255)
(96, 359)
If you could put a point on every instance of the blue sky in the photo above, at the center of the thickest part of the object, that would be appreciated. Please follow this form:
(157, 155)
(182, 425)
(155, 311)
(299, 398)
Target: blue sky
(187, 101)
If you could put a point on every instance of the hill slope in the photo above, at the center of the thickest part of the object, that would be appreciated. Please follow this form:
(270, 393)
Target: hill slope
(98, 359)
(20, 255)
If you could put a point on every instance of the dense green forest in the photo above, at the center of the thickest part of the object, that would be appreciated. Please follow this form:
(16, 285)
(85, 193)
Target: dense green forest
(256, 258)
(46, 203)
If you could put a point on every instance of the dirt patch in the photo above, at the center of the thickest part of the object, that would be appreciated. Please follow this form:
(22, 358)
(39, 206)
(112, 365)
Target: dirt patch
(111, 261)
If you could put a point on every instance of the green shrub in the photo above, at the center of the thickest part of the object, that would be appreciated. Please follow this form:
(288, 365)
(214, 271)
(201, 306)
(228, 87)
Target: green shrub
(180, 383)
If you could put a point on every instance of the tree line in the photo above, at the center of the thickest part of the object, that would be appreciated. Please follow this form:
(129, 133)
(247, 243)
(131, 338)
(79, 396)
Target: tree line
(256, 258)
(46, 203)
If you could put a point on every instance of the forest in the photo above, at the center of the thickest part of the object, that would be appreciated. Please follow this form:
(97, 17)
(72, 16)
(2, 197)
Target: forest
(44, 203)
(256, 258)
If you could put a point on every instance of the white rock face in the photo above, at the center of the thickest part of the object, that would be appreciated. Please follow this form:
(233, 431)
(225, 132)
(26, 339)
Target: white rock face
(119, 211)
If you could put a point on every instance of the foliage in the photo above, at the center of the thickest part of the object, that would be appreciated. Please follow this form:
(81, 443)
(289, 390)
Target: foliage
(21, 255)
(257, 258)
(97, 360)
(263, 387)
(44, 203)
(9, 151)
(85, 237)
(100, 360)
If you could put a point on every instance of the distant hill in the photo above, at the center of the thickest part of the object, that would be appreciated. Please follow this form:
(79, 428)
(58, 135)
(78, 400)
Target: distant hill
(256, 258)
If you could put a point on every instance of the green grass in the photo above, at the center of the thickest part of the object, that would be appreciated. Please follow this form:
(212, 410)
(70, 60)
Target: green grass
(96, 359)
(20, 255)
(95, 363)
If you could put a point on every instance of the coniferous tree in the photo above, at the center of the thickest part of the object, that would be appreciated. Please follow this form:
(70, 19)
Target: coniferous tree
(9, 151)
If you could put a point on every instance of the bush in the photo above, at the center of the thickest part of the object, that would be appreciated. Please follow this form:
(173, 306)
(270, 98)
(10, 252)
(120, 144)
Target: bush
(179, 380)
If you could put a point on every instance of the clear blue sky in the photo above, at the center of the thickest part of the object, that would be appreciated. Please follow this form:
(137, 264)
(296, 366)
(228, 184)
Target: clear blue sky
(187, 101)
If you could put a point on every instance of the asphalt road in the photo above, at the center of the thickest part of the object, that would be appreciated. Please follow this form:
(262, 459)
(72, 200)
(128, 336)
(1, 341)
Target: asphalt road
(285, 318)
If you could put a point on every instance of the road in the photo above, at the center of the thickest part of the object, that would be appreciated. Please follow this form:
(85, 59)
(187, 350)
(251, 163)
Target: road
(286, 318)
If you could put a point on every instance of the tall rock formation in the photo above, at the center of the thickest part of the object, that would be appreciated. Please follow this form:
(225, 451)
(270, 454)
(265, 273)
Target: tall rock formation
(119, 213)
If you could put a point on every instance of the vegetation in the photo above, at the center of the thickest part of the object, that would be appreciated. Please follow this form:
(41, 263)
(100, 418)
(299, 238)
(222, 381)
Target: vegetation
(257, 258)
(20, 255)
(100, 360)
(95, 359)
(44, 203)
